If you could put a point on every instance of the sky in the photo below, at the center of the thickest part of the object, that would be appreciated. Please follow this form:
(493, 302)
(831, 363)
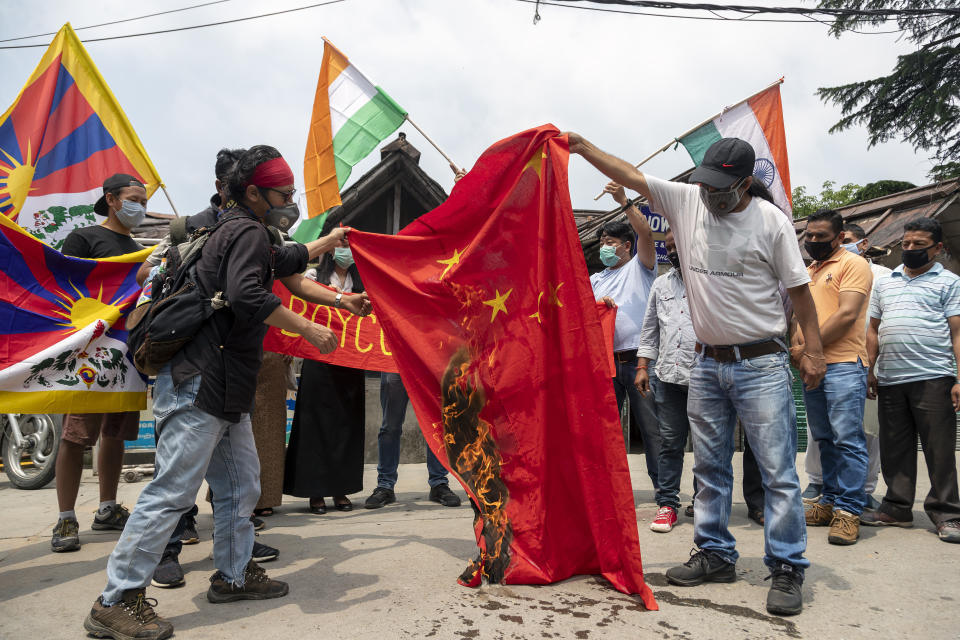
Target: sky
(469, 72)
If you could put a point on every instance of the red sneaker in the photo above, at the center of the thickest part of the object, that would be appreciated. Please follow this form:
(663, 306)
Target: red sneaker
(666, 518)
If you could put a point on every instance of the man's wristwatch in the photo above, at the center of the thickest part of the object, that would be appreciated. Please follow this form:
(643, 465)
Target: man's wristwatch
(337, 301)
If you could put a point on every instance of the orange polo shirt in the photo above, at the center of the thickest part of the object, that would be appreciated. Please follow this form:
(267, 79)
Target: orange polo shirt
(843, 271)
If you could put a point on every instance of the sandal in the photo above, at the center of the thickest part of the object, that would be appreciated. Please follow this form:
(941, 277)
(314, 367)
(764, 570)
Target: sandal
(266, 512)
(318, 508)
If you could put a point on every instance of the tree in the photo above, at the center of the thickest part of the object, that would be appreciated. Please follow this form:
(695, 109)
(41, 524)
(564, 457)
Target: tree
(919, 101)
(829, 198)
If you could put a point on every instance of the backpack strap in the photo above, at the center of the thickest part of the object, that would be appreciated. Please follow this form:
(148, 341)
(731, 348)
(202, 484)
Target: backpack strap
(178, 231)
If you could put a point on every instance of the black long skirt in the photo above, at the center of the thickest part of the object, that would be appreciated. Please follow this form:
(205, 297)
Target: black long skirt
(325, 455)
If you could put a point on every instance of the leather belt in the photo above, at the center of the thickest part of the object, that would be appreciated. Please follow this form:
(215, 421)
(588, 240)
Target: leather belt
(630, 355)
(728, 353)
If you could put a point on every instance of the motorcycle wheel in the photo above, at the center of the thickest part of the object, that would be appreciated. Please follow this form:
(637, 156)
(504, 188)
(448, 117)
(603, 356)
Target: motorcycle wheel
(33, 466)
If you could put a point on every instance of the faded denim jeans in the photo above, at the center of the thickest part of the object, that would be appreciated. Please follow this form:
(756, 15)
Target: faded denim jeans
(758, 390)
(393, 402)
(193, 444)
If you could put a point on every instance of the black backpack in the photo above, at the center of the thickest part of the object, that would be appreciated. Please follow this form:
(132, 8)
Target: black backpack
(169, 318)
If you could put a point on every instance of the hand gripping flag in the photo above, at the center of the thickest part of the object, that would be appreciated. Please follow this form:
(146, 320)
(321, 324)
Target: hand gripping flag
(62, 137)
(351, 116)
(759, 121)
(488, 308)
(63, 345)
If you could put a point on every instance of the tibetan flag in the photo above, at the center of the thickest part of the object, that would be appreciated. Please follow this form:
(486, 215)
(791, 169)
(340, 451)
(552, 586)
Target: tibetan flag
(487, 306)
(759, 121)
(64, 343)
(62, 137)
(351, 116)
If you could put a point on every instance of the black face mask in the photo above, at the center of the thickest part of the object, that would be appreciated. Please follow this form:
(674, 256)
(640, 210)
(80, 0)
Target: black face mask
(674, 259)
(282, 217)
(820, 250)
(916, 258)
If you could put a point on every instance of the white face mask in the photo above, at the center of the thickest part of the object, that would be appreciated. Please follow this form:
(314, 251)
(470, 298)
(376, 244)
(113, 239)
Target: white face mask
(131, 214)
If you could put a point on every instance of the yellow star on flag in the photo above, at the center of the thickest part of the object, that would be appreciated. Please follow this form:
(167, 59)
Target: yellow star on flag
(498, 303)
(536, 160)
(455, 259)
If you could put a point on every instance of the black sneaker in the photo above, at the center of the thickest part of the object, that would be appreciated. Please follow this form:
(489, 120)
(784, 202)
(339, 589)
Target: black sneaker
(443, 495)
(784, 598)
(168, 573)
(66, 535)
(380, 497)
(703, 566)
(256, 586)
(189, 535)
(688, 511)
(114, 519)
(257, 523)
(264, 553)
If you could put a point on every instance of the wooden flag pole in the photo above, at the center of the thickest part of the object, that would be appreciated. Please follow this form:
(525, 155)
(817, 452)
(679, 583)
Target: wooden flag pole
(172, 206)
(453, 165)
(692, 129)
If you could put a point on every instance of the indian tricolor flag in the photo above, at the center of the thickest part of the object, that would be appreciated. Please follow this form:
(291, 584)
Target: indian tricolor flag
(351, 116)
(759, 121)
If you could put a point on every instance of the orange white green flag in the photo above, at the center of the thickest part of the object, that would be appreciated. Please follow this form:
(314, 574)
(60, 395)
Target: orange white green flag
(759, 121)
(351, 116)
(64, 134)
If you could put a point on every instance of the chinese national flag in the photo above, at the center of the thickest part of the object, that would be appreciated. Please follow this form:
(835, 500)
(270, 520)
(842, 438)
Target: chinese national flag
(488, 308)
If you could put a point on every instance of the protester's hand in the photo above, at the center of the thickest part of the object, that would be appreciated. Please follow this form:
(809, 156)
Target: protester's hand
(872, 386)
(457, 173)
(795, 354)
(607, 300)
(642, 382)
(339, 233)
(812, 369)
(955, 396)
(575, 141)
(322, 338)
(357, 304)
(617, 192)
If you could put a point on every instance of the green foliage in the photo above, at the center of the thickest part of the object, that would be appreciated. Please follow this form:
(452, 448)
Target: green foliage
(919, 101)
(829, 198)
(881, 188)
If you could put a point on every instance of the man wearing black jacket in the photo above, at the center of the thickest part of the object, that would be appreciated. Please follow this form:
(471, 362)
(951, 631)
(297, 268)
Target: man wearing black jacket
(202, 402)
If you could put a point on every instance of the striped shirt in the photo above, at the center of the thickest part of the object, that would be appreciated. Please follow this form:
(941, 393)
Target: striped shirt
(915, 339)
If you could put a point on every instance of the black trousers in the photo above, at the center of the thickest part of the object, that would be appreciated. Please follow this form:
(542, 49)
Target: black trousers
(924, 409)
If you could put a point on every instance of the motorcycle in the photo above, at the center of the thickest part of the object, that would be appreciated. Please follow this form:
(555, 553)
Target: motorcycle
(29, 444)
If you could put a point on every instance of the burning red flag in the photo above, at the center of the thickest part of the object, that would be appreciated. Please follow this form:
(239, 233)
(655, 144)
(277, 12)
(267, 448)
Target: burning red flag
(487, 306)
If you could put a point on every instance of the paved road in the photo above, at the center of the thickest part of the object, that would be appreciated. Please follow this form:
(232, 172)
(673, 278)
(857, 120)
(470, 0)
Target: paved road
(392, 574)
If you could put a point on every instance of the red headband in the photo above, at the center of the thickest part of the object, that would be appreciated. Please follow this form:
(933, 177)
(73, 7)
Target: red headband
(272, 173)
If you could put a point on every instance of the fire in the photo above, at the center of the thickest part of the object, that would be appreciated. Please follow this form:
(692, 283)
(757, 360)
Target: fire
(475, 457)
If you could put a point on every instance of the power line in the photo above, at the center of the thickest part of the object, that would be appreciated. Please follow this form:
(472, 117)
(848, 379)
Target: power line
(753, 10)
(105, 24)
(188, 28)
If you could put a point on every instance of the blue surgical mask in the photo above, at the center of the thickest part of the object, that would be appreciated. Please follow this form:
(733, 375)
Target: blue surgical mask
(608, 255)
(852, 247)
(131, 214)
(343, 256)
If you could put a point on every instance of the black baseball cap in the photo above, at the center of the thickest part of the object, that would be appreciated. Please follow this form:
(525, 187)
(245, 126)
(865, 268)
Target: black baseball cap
(114, 182)
(726, 161)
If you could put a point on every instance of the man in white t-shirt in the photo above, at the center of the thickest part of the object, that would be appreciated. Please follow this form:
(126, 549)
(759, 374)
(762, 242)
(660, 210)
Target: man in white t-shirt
(625, 284)
(735, 250)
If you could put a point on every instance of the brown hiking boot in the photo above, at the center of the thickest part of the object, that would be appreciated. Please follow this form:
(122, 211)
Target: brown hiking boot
(817, 514)
(844, 528)
(256, 586)
(133, 618)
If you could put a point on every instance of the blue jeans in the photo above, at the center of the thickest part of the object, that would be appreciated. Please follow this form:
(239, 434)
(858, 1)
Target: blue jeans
(835, 419)
(674, 428)
(193, 444)
(758, 390)
(644, 412)
(393, 403)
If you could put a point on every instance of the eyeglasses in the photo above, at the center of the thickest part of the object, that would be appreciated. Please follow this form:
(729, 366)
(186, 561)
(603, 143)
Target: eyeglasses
(287, 195)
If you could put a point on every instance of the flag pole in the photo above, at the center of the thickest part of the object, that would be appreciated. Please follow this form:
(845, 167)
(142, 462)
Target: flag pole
(172, 206)
(453, 165)
(694, 128)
